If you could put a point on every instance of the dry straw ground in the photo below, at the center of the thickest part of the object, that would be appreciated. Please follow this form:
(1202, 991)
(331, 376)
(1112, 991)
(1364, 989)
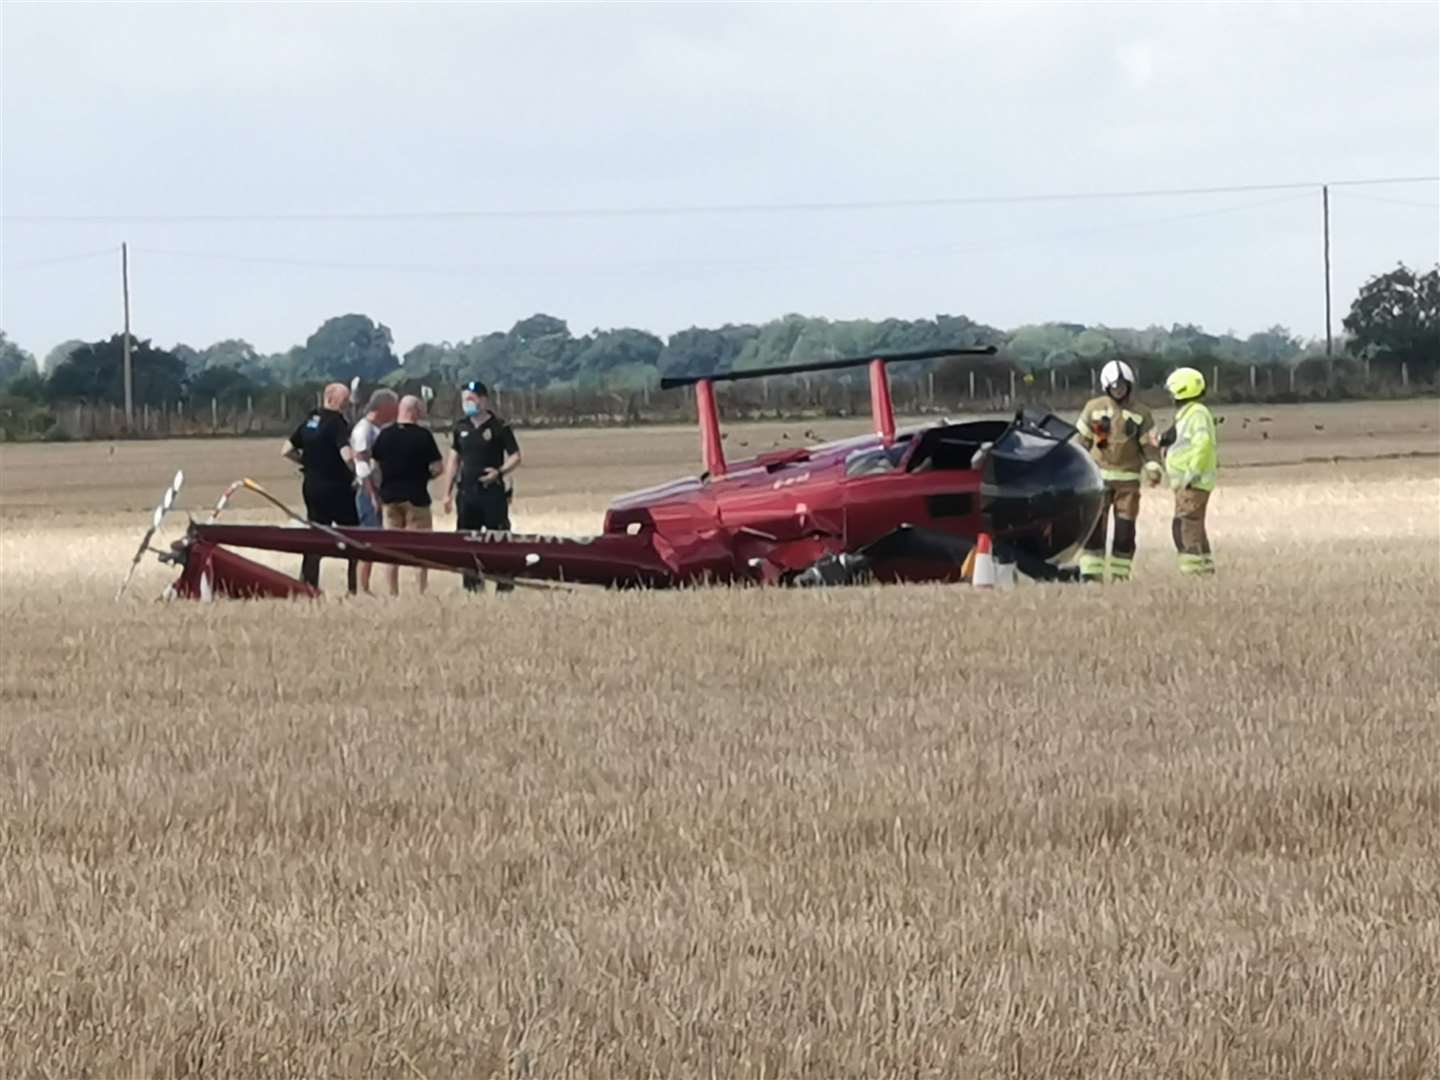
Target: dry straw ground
(1174, 829)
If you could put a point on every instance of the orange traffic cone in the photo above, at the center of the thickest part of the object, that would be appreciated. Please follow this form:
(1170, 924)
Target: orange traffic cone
(984, 576)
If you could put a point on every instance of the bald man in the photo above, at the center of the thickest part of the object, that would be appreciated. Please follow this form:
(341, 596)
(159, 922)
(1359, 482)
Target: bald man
(321, 447)
(408, 460)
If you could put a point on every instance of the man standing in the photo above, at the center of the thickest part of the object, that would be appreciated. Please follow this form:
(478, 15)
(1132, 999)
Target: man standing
(321, 446)
(408, 460)
(483, 452)
(1191, 462)
(379, 413)
(1119, 434)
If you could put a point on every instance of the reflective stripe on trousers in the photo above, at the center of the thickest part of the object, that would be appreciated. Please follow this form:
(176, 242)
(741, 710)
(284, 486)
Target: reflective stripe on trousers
(1196, 565)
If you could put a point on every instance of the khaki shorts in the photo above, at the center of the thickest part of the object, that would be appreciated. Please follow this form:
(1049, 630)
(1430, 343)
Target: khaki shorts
(404, 515)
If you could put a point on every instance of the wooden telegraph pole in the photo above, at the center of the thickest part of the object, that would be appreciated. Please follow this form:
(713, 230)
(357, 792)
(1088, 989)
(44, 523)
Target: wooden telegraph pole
(1329, 341)
(129, 380)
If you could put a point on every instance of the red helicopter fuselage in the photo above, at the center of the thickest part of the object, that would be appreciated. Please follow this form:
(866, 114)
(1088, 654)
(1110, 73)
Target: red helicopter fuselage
(897, 506)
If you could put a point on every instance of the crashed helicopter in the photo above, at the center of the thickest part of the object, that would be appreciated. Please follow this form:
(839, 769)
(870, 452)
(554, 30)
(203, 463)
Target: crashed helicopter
(889, 506)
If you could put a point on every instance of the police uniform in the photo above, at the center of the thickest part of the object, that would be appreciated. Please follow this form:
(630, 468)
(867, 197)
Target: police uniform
(479, 505)
(329, 485)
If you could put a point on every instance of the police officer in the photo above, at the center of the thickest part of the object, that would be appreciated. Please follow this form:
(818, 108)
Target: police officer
(321, 447)
(483, 452)
(1119, 432)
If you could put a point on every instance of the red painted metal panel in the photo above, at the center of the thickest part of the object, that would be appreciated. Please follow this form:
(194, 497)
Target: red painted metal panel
(711, 452)
(211, 571)
(881, 408)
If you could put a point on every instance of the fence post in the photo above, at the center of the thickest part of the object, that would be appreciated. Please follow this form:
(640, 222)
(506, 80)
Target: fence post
(1292, 378)
(249, 413)
(1404, 375)
(1094, 380)
(1252, 378)
(989, 388)
(145, 413)
(79, 421)
(930, 380)
(111, 429)
(1052, 380)
(1215, 379)
(1367, 371)
(972, 386)
(284, 409)
(1012, 386)
(214, 416)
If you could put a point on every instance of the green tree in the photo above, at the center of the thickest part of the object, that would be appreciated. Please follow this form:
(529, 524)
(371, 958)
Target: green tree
(14, 361)
(703, 352)
(1396, 319)
(60, 353)
(343, 347)
(1043, 346)
(1276, 345)
(227, 385)
(440, 363)
(96, 373)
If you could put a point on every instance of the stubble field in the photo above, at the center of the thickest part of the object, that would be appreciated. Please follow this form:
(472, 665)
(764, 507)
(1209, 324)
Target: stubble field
(1171, 829)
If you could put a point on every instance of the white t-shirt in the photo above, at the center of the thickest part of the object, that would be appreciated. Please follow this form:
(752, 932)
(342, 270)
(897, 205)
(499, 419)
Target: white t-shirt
(362, 439)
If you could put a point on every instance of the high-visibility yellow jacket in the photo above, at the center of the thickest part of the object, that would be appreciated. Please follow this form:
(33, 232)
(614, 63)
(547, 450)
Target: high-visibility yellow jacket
(1191, 460)
(1119, 436)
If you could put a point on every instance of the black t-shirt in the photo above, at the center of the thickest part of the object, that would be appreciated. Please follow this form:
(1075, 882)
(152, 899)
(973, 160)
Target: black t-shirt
(404, 453)
(482, 446)
(320, 438)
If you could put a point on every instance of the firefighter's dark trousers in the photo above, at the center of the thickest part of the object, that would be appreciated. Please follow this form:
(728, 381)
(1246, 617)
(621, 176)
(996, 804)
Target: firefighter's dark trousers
(1122, 498)
(1192, 542)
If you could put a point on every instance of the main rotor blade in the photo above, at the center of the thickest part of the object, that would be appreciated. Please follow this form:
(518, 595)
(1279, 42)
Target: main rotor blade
(672, 381)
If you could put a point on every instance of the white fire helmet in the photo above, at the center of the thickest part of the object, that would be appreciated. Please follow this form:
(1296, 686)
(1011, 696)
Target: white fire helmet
(1116, 371)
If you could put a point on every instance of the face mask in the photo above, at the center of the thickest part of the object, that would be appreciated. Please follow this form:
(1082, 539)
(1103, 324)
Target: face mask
(471, 408)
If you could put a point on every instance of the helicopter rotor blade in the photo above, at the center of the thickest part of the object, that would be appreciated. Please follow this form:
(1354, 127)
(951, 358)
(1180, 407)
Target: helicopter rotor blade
(167, 502)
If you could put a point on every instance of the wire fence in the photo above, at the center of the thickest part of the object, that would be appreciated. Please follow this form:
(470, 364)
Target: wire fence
(276, 411)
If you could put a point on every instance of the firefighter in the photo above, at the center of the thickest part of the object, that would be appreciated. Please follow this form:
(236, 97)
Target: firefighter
(1119, 432)
(1190, 463)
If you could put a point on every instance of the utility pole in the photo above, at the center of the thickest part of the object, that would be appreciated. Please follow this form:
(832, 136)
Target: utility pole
(1329, 341)
(129, 381)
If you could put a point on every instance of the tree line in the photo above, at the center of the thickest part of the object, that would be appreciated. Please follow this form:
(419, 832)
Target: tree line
(1393, 324)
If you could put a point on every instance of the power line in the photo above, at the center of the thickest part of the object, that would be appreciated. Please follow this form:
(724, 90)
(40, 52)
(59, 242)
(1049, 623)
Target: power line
(1392, 202)
(698, 209)
(941, 250)
(52, 260)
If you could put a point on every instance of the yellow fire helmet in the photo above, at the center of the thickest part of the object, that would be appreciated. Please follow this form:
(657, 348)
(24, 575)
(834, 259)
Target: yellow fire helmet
(1185, 383)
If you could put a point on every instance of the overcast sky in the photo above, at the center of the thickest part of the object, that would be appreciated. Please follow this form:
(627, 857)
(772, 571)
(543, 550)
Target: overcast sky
(167, 110)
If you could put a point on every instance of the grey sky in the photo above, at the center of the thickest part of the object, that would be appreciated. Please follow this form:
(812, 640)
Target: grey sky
(117, 110)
